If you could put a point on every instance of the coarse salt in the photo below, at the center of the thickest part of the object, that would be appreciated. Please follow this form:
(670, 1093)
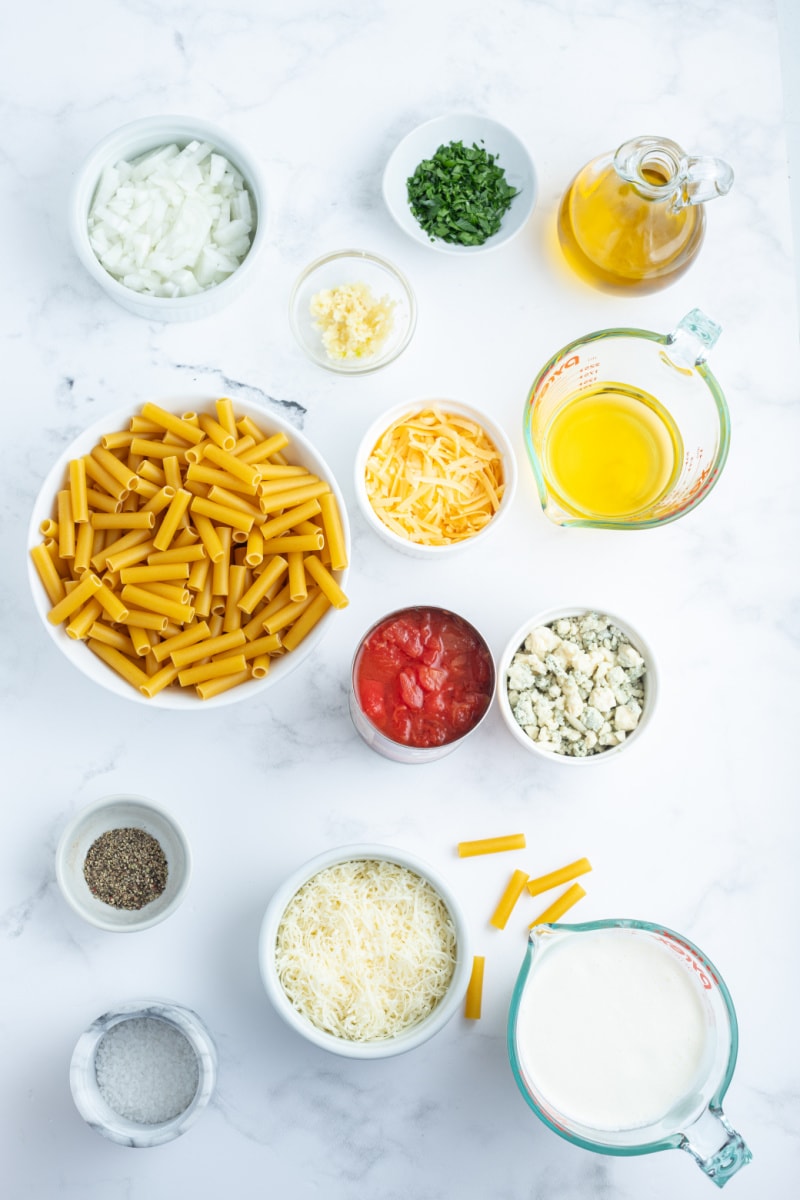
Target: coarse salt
(147, 1070)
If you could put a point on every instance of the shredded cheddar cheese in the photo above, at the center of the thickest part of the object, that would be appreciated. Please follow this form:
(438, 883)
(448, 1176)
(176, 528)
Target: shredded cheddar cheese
(435, 478)
(352, 322)
(365, 949)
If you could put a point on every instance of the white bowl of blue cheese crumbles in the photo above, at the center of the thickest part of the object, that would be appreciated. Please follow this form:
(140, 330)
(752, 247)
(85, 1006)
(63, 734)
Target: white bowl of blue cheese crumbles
(576, 685)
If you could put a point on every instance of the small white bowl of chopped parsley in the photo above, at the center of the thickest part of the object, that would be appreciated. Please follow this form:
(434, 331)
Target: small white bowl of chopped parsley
(461, 184)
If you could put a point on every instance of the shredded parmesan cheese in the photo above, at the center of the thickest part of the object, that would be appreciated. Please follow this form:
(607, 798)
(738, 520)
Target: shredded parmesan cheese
(366, 949)
(435, 478)
(352, 322)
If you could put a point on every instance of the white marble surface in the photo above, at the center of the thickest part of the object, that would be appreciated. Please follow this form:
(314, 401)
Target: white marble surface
(697, 828)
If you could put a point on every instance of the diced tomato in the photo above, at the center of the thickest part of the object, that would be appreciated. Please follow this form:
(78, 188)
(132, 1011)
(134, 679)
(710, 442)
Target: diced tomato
(434, 649)
(435, 704)
(431, 678)
(370, 694)
(400, 724)
(410, 690)
(424, 677)
(384, 654)
(407, 636)
(433, 733)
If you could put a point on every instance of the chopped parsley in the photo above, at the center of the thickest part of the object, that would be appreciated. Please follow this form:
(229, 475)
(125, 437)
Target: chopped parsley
(460, 195)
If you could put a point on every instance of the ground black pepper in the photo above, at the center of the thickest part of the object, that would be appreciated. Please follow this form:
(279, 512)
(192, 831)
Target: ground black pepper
(125, 868)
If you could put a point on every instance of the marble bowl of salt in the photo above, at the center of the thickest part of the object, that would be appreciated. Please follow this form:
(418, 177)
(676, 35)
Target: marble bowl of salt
(142, 1073)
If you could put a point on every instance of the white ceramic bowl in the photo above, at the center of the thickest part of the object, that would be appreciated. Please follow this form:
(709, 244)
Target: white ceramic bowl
(90, 1101)
(137, 138)
(408, 1039)
(408, 409)
(300, 451)
(424, 141)
(122, 812)
(650, 686)
(338, 269)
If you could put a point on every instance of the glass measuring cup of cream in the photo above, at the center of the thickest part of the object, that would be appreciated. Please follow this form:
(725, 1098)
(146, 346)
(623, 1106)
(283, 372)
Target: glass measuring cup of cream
(627, 429)
(623, 1038)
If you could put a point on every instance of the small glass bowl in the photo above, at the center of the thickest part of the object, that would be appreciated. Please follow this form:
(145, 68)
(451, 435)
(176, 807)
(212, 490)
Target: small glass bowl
(90, 1101)
(122, 812)
(338, 269)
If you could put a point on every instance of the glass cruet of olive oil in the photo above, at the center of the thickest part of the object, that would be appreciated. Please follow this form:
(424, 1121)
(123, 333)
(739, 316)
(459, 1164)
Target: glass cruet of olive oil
(633, 220)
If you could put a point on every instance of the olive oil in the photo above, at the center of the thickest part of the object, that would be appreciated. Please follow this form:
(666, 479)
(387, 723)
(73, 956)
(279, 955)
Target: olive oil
(619, 239)
(611, 450)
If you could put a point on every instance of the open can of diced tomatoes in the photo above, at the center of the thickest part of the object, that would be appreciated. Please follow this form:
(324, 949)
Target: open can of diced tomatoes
(423, 680)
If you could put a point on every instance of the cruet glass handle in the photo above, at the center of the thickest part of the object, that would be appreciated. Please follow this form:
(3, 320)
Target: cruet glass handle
(701, 179)
(702, 1141)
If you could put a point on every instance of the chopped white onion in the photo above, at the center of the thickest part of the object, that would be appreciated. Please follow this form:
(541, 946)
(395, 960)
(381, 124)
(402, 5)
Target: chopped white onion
(172, 222)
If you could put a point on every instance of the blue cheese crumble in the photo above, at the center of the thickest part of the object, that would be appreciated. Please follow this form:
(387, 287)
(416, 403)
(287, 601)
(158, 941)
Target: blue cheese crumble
(576, 686)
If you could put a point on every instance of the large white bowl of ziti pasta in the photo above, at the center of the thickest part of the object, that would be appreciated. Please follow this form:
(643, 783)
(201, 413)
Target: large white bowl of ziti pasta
(189, 553)
(433, 476)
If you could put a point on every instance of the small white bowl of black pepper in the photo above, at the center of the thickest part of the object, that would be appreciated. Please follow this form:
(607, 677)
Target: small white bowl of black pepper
(123, 863)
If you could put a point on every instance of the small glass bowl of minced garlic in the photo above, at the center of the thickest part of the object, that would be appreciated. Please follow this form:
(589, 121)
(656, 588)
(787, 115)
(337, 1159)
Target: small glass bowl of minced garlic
(352, 312)
(123, 863)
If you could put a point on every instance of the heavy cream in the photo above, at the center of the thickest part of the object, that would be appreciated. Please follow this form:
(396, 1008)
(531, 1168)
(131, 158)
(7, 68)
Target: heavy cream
(612, 1030)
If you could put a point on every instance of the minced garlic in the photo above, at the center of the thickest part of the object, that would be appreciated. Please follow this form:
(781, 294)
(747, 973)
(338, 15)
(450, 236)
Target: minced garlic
(352, 322)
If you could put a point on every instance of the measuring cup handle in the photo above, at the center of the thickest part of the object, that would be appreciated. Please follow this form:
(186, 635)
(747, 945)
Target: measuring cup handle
(702, 1141)
(692, 338)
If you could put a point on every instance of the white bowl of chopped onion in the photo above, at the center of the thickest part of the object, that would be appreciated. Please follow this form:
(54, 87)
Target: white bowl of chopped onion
(433, 476)
(364, 951)
(168, 216)
(577, 685)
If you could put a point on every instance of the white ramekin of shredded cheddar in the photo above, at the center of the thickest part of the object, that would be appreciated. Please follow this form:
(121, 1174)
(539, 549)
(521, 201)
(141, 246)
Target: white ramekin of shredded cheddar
(434, 475)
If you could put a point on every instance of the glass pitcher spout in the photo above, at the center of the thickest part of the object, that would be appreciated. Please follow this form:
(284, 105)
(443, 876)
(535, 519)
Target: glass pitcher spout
(715, 1146)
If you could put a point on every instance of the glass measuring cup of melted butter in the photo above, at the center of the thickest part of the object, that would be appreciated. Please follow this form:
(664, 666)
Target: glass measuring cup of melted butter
(623, 1039)
(626, 428)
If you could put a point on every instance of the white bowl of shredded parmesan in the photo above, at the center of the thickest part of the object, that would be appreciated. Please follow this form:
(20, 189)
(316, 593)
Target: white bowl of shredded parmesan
(352, 312)
(432, 476)
(365, 951)
(168, 216)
